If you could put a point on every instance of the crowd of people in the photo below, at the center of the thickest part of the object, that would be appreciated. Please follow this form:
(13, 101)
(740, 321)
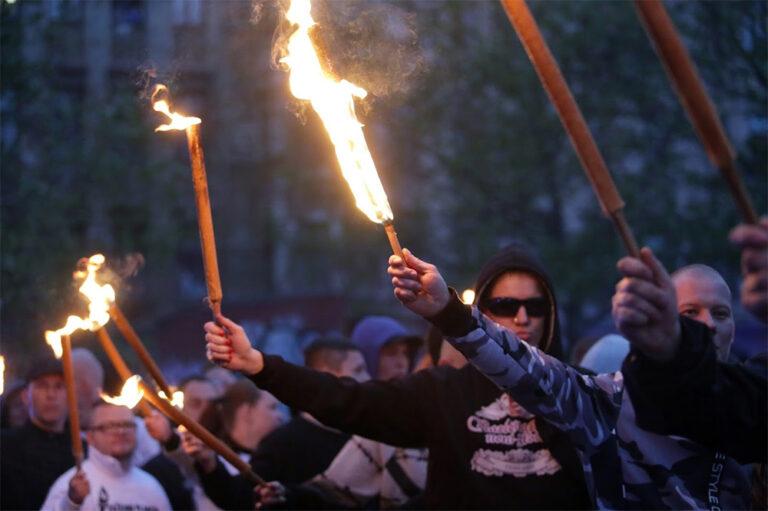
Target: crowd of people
(485, 411)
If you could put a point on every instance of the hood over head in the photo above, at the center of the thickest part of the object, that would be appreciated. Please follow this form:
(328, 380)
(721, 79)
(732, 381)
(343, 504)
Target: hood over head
(519, 258)
(372, 332)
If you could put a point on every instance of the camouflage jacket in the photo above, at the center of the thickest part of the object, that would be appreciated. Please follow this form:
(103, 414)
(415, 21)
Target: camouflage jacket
(625, 466)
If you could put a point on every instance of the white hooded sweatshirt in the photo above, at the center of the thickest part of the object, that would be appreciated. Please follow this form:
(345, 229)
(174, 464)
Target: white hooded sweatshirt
(115, 486)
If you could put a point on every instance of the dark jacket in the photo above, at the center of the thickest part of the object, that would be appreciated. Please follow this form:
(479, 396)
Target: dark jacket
(31, 459)
(172, 480)
(626, 466)
(485, 451)
(292, 453)
(719, 405)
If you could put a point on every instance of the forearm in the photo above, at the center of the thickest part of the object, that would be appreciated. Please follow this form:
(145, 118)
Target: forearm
(719, 405)
(583, 407)
(225, 490)
(343, 403)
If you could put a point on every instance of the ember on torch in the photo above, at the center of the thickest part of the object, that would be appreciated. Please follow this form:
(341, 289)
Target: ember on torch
(570, 115)
(334, 102)
(697, 103)
(202, 200)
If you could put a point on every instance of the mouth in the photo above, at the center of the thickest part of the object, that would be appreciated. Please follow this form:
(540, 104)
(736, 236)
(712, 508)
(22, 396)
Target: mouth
(523, 334)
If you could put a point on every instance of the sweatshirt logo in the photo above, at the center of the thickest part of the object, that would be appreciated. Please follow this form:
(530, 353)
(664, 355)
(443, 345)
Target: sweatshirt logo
(104, 504)
(505, 423)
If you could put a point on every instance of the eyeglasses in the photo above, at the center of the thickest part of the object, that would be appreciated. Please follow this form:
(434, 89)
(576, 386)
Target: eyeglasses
(110, 427)
(508, 307)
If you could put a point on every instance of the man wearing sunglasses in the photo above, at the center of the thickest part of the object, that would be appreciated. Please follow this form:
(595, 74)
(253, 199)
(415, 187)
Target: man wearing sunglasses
(108, 478)
(485, 450)
(627, 467)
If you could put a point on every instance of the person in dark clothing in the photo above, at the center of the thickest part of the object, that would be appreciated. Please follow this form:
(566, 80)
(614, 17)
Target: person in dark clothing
(485, 450)
(172, 480)
(625, 466)
(33, 456)
(298, 450)
(679, 378)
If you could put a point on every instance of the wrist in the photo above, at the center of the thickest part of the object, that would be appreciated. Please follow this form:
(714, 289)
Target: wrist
(667, 350)
(254, 362)
(455, 318)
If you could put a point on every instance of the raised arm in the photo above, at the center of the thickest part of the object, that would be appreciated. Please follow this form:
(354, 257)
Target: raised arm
(676, 383)
(583, 407)
(391, 412)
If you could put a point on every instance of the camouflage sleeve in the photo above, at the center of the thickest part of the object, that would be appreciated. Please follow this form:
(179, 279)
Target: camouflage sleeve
(584, 407)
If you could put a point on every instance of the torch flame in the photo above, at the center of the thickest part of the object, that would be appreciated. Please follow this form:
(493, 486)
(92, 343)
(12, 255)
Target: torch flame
(468, 296)
(177, 400)
(130, 395)
(178, 121)
(99, 299)
(333, 100)
(2, 375)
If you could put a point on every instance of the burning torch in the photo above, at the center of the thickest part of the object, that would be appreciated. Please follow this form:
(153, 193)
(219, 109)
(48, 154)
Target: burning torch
(333, 100)
(200, 182)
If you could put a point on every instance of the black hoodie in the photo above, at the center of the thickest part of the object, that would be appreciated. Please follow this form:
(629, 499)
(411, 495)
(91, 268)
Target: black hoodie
(484, 450)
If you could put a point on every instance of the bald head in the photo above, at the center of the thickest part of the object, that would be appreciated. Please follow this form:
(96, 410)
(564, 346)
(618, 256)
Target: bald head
(703, 295)
(701, 272)
(89, 380)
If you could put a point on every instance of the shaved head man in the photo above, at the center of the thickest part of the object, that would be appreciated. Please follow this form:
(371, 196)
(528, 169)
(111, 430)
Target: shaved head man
(703, 295)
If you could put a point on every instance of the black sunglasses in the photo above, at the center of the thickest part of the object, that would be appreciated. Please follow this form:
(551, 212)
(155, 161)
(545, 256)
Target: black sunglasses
(508, 307)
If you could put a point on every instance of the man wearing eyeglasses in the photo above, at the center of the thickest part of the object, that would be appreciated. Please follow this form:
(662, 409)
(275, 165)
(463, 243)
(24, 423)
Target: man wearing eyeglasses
(485, 450)
(108, 478)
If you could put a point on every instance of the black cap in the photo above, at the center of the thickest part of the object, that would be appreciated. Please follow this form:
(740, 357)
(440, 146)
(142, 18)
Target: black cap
(44, 366)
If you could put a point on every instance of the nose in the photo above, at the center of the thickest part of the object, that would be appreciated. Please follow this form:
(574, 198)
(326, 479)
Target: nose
(706, 317)
(521, 318)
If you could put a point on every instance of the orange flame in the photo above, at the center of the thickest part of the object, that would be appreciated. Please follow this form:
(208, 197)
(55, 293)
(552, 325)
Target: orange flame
(178, 121)
(130, 395)
(468, 296)
(177, 400)
(99, 299)
(333, 100)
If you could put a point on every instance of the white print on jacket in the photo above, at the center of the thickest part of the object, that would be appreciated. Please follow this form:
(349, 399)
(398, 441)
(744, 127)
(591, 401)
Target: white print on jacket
(506, 423)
